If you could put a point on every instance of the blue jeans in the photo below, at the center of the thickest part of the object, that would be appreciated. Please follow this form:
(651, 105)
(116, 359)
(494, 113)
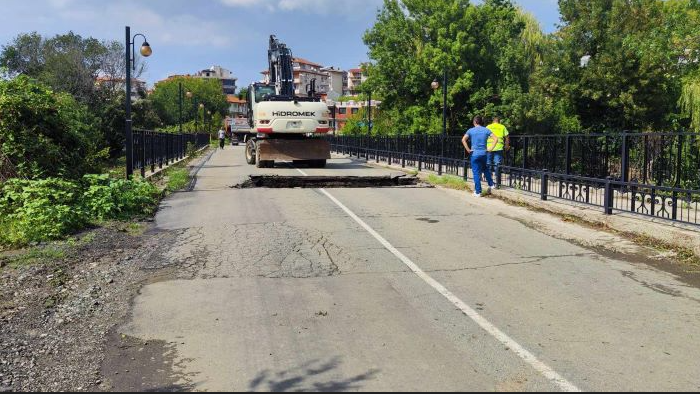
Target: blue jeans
(480, 168)
(494, 161)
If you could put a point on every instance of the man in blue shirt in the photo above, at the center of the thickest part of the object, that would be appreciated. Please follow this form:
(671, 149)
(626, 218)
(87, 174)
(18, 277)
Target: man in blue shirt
(480, 136)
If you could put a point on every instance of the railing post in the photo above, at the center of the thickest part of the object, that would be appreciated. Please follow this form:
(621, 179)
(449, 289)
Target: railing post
(152, 137)
(440, 166)
(420, 163)
(674, 201)
(465, 169)
(544, 185)
(526, 145)
(679, 162)
(609, 196)
(159, 138)
(143, 153)
(624, 158)
(568, 155)
(403, 160)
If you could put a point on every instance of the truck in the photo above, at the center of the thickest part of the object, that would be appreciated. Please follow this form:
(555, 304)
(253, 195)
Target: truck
(284, 126)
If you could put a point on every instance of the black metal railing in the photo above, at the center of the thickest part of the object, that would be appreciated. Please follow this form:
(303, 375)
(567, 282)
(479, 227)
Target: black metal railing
(660, 159)
(594, 179)
(156, 149)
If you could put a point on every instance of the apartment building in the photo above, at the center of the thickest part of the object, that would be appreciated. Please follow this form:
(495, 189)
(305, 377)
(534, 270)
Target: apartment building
(347, 109)
(355, 78)
(228, 81)
(337, 81)
(237, 107)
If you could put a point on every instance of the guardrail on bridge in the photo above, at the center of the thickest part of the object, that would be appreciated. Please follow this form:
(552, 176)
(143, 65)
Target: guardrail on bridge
(608, 192)
(152, 148)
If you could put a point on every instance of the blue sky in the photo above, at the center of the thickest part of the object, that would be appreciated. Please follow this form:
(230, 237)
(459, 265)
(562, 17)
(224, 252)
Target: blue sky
(187, 36)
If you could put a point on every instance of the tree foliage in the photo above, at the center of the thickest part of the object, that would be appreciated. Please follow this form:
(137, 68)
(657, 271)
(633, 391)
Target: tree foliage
(44, 133)
(71, 64)
(611, 65)
(204, 91)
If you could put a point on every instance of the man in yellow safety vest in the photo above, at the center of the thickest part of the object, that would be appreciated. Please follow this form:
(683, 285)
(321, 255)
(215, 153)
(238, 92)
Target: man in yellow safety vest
(497, 147)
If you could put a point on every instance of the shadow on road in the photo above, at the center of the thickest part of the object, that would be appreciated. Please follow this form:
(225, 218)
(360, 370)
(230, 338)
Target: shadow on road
(315, 375)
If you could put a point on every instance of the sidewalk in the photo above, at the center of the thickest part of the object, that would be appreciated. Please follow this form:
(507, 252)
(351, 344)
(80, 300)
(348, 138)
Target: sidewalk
(646, 230)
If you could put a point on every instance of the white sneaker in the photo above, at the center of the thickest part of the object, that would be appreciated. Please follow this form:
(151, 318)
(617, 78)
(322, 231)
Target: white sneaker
(477, 195)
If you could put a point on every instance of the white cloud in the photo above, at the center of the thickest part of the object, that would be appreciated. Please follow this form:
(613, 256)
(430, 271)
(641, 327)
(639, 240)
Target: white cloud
(308, 6)
(159, 27)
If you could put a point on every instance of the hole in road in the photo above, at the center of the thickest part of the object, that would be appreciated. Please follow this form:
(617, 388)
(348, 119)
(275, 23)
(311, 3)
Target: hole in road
(428, 220)
(315, 182)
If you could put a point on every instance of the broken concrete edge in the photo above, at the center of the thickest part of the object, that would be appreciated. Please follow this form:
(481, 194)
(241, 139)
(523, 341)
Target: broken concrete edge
(328, 181)
(664, 235)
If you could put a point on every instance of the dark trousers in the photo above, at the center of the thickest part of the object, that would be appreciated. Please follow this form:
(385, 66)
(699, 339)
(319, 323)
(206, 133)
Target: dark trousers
(479, 168)
(222, 142)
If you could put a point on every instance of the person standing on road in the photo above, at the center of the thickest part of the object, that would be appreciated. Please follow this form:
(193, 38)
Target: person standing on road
(496, 156)
(479, 136)
(222, 138)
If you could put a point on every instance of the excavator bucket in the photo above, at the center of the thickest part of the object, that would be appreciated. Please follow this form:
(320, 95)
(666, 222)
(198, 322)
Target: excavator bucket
(291, 150)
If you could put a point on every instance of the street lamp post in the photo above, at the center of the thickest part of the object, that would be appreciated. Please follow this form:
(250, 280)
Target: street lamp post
(210, 121)
(435, 85)
(146, 51)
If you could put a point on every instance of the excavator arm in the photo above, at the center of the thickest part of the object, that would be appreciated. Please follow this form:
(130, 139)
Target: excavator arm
(281, 68)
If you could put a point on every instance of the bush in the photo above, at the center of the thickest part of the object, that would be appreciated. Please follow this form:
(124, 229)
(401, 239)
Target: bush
(106, 198)
(46, 134)
(48, 209)
(39, 210)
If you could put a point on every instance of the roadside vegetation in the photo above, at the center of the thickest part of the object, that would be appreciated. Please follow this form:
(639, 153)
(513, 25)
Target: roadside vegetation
(61, 137)
(449, 181)
(610, 65)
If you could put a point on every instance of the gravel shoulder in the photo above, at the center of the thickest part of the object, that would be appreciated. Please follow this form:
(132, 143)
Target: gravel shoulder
(61, 304)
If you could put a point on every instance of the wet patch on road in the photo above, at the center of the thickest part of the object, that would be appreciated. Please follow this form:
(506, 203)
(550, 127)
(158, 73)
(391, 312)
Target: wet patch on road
(135, 365)
(329, 182)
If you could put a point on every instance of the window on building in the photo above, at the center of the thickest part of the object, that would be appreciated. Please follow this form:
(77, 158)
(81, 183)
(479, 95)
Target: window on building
(342, 111)
(355, 111)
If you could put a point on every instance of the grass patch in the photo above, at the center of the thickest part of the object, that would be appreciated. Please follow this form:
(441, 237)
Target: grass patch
(449, 181)
(34, 255)
(685, 256)
(177, 178)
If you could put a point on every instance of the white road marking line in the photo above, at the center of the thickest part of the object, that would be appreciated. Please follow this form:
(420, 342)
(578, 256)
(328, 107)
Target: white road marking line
(494, 331)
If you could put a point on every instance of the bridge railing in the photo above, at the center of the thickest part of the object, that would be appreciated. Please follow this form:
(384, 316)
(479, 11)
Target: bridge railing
(157, 149)
(660, 159)
(594, 179)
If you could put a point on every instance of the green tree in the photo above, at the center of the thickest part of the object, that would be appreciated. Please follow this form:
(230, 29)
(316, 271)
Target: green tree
(204, 91)
(44, 133)
(480, 47)
(70, 63)
(243, 93)
(622, 63)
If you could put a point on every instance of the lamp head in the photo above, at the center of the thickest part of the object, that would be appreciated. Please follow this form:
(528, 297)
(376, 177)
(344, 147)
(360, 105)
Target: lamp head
(188, 94)
(435, 85)
(146, 50)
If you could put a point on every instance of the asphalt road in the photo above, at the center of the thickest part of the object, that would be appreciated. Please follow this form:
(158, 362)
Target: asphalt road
(403, 289)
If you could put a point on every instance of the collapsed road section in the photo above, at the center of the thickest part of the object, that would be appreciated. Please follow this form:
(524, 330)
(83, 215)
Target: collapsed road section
(314, 182)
